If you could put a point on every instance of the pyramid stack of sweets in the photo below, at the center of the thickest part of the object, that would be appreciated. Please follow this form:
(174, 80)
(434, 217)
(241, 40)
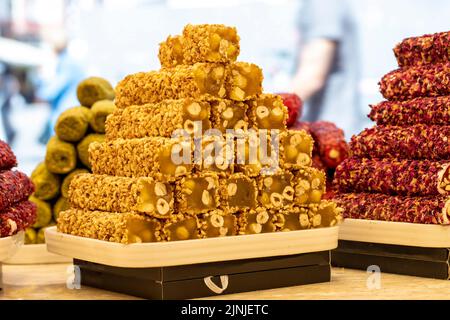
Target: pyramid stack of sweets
(140, 191)
(400, 169)
(67, 152)
(16, 212)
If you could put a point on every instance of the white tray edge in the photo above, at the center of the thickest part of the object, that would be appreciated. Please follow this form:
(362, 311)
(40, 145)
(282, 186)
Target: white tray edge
(35, 254)
(165, 254)
(10, 245)
(396, 233)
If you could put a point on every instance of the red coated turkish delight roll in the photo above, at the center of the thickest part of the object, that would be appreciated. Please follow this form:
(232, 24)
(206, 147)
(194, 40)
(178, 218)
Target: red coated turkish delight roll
(412, 82)
(17, 218)
(415, 142)
(372, 206)
(430, 48)
(15, 186)
(7, 157)
(431, 111)
(330, 142)
(391, 176)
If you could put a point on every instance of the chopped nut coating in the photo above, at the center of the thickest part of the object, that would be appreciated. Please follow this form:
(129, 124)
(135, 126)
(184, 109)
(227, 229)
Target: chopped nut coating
(415, 142)
(370, 206)
(430, 48)
(67, 180)
(160, 119)
(200, 43)
(429, 111)
(120, 194)
(198, 81)
(413, 82)
(114, 227)
(147, 157)
(391, 176)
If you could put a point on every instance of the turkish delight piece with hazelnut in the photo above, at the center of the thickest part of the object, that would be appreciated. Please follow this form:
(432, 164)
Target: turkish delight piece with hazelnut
(198, 81)
(244, 81)
(198, 193)
(200, 43)
(238, 192)
(267, 111)
(215, 154)
(157, 157)
(182, 228)
(277, 190)
(257, 152)
(217, 223)
(124, 227)
(121, 194)
(229, 115)
(317, 215)
(256, 221)
(160, 119)
(297, 146)
(309, 184)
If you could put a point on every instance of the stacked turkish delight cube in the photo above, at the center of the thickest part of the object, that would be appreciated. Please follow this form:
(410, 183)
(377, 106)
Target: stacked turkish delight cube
(16, 212)
(400, 169)
(171, 170)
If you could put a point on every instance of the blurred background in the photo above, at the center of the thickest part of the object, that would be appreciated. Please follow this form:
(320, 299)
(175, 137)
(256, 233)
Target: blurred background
(330, 52)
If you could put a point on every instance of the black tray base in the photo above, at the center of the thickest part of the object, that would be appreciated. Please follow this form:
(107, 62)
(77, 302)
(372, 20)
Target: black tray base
(404, 260)
(188, 282)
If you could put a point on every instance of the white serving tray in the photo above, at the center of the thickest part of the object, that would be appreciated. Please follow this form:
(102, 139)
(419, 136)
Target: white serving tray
(10, 245)
(36, 254)
(164, 254)
(396, 233)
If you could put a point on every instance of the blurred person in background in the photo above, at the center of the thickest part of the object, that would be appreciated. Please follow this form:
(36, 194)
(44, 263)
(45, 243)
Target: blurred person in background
(328, 72)
(9, 88)
(59, 90)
